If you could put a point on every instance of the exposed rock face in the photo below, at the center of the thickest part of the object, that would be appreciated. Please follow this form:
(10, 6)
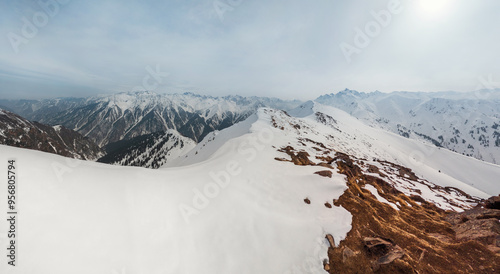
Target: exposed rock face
(325, 173)
(384, 250)
(411, 236)
(19, 132)
(421, 240)
(478, 224)
(300, 158)
(347, 253)
(492, 202)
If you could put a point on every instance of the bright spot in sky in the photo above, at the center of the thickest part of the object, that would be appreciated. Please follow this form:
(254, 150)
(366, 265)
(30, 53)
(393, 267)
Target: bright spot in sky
(434, 7)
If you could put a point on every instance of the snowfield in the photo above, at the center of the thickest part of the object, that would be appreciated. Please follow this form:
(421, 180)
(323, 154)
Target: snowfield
(440, 166)
(240, 211)
(225, 207)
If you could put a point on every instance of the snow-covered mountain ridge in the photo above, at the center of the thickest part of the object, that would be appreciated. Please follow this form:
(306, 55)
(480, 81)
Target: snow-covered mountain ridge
(257, 197)
(110, 118)
(150, 151)
(157, 221)
(467, 123)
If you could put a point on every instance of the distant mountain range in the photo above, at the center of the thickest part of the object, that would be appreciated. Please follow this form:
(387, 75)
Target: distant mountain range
(467, 123)
(111, 118)
(145, 128)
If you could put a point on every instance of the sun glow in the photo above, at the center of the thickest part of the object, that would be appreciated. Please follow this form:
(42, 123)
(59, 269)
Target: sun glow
(434, 7)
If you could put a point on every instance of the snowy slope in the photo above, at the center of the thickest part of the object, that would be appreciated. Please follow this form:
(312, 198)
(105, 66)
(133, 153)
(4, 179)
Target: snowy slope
(150, 151)
(440, 166)
(83, 217)
(236, 204)
(467, 123)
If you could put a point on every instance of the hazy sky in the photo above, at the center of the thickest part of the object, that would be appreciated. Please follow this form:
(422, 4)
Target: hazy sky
(281, 48)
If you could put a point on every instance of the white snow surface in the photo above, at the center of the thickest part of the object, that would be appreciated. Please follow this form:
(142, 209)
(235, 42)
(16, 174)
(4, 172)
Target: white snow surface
(467, 123)
(160, 152)
(374, 191)
(244, 212)
(439, 166)
(226, 207)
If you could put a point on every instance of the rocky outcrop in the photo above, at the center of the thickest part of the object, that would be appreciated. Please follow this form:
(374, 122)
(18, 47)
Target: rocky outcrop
(478, 224)
(412, 235)
(325, 173)
(416, 238)
(19, 132)
(384, 251)
(300, 158)
(492, 202)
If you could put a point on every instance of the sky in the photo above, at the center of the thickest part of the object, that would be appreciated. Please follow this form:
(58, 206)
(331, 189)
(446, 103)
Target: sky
(289, 49)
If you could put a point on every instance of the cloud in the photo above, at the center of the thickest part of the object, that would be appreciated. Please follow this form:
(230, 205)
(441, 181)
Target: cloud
(287, 49)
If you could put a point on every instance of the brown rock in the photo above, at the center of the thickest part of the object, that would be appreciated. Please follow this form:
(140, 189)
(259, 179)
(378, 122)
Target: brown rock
(347, 253)
(385, 249)
(473, 214)
(307, 201)
(327, 204)
(281, 159)
(396, 253)
(477, 224)
(492, 202)
(483, 230)
(373, 169)
(330, 239)
(324, 173)
(326, 266)
(302, 159)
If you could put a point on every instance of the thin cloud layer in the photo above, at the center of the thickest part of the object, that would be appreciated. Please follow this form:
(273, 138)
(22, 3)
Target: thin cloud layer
(287, 49)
